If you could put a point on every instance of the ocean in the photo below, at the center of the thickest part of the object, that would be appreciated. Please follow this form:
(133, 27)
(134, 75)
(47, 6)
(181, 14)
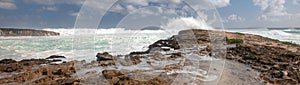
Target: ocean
(116, 41)
(84, 44)
(79, 47)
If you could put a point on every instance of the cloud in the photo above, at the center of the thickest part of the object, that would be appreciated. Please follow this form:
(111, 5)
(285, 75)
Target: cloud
(8, 4)
(53, 2)
(236, 18)
(272, 7)
(50, 8)
(220, 3)
(170, 7)
(262, 17)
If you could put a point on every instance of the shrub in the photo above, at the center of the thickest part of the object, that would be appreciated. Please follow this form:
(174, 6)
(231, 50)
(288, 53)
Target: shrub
(234, 41)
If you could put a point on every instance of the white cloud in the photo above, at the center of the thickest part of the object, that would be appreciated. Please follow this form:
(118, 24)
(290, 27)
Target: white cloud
(170, 7)
(272, 7)
(50, 8)
(8, 4)
(236, 18)
(220, 3)
(262, 17)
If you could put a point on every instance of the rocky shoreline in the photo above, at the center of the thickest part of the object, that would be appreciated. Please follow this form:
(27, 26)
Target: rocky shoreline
(25, 32)
(251, 59)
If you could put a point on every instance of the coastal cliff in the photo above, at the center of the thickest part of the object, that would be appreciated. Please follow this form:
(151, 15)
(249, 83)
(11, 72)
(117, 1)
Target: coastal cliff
(25, 32)
(251, 59)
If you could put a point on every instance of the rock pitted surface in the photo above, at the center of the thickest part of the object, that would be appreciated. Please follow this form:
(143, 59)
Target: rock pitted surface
(25, 32)
(277, 61)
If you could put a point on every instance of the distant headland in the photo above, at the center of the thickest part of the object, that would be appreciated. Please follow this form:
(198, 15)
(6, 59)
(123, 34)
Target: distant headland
(25, 32)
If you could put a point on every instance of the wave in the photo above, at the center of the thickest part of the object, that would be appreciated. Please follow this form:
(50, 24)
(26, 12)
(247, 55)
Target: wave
(183, 23)
(294, 31)
(172, 26)
(114, 40)
(89, 31)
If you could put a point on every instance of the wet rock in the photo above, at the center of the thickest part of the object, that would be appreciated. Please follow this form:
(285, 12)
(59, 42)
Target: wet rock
(136, 59)
(30, 62)
(55, 56)
(7, 61)
(105, 59)
(9, 67)
(31, 71)
(104, 56)
(171, 42)
(175, 55)
(107, 63)
(138, 53)
(116, 77)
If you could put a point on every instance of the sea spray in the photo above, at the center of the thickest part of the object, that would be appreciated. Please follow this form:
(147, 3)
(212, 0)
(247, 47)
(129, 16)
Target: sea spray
(175, 25)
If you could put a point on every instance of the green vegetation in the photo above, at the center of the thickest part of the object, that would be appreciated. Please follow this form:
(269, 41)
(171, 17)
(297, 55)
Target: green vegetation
(290, 43)
(239, 33)
(234, 41)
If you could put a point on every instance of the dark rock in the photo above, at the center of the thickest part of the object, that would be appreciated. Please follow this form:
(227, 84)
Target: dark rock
(138, 53)
(55, 56)
(7, 61)
(30, 62)
(104, 56)
(171, 42)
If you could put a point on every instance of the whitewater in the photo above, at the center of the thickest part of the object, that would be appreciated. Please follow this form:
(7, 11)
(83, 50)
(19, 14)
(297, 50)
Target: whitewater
(84, 44)
(83, 47)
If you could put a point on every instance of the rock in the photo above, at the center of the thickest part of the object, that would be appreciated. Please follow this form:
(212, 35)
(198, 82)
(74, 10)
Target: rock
(138, 53)
(116, 77)
(112, 75)
(31, 71)
(171, 43)
(166, 48)
(7, 61)
(55, 56)
(135, 60)
(175, 55)
(104, 56)
(107, 63)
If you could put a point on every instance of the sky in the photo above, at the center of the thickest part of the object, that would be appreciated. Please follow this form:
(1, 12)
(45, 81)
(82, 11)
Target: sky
(139, 13)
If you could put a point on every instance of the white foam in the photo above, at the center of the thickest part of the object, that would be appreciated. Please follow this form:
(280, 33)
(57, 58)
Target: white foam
(79, 47)
(175, 25)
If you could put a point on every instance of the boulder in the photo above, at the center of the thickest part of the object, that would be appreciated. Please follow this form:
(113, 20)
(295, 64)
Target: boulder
(104, 56)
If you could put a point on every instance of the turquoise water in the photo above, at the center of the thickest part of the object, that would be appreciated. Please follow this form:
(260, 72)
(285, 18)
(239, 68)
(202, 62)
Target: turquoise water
(76, 47)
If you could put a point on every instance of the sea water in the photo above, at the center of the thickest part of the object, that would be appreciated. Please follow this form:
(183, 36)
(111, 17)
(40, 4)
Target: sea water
(115, 41)
(79, 47)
